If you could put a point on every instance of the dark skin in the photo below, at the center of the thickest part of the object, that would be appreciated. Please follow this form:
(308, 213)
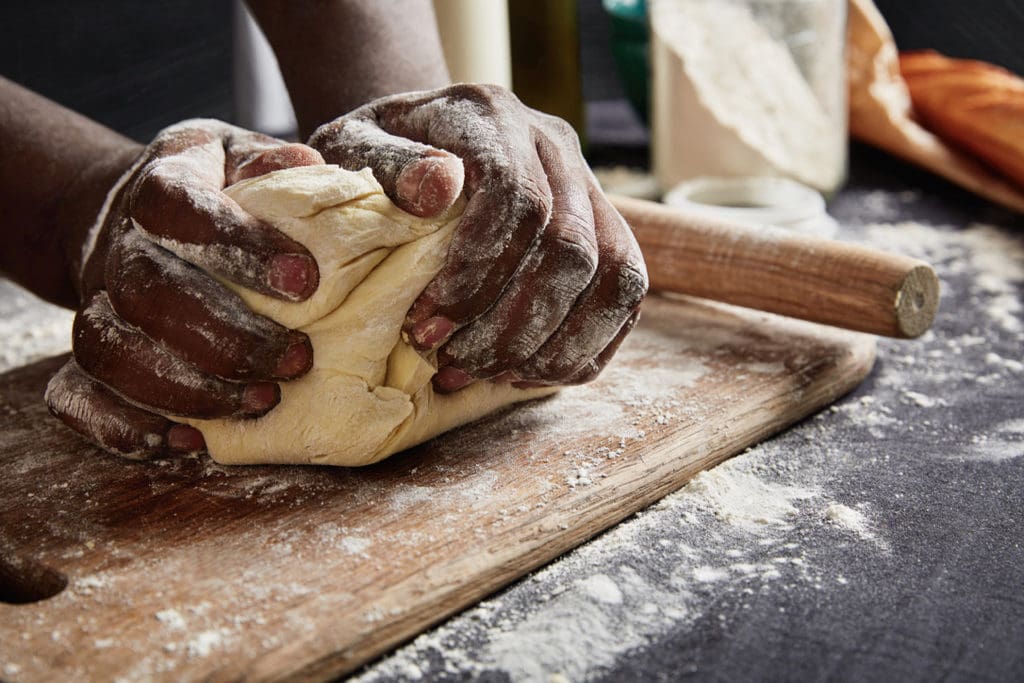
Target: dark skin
(542, 282)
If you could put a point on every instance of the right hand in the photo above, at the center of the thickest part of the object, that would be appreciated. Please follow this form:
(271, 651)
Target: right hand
(543, 278)
(156, 335)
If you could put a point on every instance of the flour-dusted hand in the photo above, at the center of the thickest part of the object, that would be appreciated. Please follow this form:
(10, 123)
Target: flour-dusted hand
(154, 333)
(543, 277)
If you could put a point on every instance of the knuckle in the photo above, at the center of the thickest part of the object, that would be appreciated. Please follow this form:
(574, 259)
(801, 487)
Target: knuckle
(477, 92)
(632, 285)
(532, 207)
(176, 137)
(562, 130)
(558, 131)
(627, 282)
(577, 257)
(152, 187)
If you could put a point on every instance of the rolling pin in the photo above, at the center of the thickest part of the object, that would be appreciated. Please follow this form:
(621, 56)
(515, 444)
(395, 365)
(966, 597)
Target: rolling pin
(778, 271)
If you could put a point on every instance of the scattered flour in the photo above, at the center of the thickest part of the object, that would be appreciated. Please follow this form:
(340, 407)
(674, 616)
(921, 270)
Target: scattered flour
(921, 400)
(765, 368)
(411, 496)
(204, 643)
(743, 499)
(848, 518)
(602, 588)
(1005, 441)
(580, 476)
(354, 544)
(171, 618)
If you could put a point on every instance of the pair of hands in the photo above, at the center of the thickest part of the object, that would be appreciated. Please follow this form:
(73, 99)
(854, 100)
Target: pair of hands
(542, 282)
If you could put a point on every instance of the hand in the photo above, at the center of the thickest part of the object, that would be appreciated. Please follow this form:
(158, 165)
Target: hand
(154, 333)
(543, 277)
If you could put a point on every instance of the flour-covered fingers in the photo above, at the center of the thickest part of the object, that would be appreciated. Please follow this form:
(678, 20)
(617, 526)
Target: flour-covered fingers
(177, 201)
(247, 162)
(110, 422)
(556, 270)
(197, 318)
(420, 179)
(496, 231)
(120, 355)
(601, 312)
(594, 366)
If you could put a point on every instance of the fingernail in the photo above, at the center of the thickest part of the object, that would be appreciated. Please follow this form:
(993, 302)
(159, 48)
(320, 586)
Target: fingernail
(297, 359)
(449, 379)
(429, 333)
(292, 275)
(185, 439)
(431, 184)
(258, 398)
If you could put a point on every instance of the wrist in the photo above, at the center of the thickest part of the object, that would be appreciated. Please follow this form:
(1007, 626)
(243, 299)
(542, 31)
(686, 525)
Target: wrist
(336, 55)
(79, 209)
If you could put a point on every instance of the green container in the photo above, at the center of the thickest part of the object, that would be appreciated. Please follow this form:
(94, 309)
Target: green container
(630, 39)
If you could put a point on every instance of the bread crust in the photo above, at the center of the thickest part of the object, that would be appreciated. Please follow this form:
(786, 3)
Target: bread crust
(975, 105)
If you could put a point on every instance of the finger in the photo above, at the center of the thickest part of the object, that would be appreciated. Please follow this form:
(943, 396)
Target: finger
(197, 318)
(178, 203)
(509, 198)
(120, 356)
(249, 154)
(554, 273)
(602, 310)
(592, 368)
(285, 156)
(496, 231)
(110, 422)
(420, 179)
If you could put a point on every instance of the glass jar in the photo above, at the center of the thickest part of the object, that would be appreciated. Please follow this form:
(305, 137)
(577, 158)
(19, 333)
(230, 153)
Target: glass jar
(749, 88)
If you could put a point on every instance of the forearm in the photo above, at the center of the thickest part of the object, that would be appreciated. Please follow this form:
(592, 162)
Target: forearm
(55, 169)
(336, 55)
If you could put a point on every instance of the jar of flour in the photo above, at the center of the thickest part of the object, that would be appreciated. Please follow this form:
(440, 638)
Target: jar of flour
(749, 88)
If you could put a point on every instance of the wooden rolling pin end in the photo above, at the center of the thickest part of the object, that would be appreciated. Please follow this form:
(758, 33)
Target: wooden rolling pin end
(917, 301)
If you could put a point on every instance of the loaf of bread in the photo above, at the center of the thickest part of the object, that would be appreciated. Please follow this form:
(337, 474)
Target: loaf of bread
(974, 105)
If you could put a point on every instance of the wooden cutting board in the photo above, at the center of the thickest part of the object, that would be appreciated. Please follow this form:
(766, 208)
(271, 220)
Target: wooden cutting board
(185, 569)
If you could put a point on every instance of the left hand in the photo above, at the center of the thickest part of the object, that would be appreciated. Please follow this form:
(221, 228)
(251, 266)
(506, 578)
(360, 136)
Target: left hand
(543, 277)
(155, 335)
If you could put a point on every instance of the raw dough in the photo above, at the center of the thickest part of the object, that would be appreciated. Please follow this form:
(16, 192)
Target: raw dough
(368, 394)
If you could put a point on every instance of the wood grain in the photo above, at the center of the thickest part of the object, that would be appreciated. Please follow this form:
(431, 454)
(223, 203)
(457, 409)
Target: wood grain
(185, 569)
(770, 269)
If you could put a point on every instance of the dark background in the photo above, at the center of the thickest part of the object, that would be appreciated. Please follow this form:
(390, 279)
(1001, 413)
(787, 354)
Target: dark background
(138, 66)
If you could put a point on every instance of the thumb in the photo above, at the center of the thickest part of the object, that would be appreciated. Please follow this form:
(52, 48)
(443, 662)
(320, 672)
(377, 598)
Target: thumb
(420, 179)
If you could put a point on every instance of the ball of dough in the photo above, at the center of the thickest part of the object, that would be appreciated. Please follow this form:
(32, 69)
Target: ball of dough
(369, 393)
